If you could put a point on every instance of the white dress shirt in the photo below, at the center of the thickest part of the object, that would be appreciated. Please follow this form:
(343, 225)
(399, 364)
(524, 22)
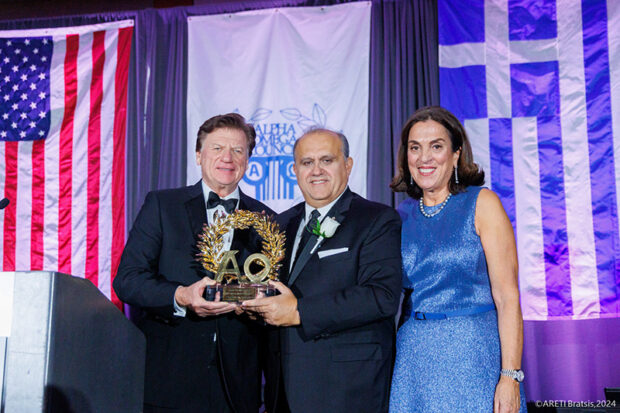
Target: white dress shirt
(308, 210)
(181, 311)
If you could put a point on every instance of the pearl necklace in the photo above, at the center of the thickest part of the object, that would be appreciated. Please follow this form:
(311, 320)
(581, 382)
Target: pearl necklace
(437, 211)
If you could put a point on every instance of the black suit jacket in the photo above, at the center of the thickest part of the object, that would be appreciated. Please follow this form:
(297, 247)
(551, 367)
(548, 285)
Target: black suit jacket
(160, 256)
(339, 358)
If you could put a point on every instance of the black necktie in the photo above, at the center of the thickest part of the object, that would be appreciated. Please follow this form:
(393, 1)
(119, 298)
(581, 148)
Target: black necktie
(214, 200)
(314, 218)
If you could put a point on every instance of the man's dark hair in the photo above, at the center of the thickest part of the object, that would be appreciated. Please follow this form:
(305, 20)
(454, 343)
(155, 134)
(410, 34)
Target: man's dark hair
(227, 121)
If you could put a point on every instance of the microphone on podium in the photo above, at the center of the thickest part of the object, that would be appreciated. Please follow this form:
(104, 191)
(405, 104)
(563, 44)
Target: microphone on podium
(4, 203)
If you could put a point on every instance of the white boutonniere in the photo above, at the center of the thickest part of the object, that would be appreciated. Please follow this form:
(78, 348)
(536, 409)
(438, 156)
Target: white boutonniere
(327, 229)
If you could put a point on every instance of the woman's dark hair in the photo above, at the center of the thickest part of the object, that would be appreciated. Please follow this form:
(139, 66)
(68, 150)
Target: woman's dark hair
(230, 121)
(469, 172)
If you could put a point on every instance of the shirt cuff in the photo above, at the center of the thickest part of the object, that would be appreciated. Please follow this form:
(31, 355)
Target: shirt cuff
(179, 310)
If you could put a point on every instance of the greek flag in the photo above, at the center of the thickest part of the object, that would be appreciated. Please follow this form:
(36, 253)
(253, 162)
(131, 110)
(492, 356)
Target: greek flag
(537, 86)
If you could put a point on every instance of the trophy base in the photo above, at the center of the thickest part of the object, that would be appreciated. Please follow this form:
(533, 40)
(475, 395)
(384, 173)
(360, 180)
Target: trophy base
(237, 293)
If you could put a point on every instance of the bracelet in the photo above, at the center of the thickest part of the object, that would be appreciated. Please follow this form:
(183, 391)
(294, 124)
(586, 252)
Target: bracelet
(517, 374)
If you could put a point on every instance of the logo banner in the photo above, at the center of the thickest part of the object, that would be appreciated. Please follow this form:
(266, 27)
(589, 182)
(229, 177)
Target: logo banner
(285, 70)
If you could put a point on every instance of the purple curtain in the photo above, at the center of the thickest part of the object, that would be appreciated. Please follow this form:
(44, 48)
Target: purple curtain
(404, 76)
(571, 360)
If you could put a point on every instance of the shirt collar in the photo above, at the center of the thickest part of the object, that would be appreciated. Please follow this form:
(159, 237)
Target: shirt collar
(206, 189)
(322, 210)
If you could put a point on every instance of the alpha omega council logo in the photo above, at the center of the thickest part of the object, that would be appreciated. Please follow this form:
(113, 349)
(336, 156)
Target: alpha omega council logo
(270, 170)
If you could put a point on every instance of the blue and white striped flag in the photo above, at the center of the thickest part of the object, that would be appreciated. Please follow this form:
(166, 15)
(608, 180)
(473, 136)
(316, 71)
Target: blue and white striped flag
(537, 85)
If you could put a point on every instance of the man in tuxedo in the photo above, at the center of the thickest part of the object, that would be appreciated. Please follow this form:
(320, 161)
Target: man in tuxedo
(338, 300)
(200, 355)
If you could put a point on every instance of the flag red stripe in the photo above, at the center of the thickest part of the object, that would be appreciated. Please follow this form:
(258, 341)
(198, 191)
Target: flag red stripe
(94, 158)
(38, 205)
(65, 161)
(118, 167)
(10, 192)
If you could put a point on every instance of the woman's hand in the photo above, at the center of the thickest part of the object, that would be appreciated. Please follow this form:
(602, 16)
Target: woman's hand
(507, 396)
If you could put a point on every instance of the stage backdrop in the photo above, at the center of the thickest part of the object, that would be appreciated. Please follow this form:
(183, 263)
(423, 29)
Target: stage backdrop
(537, 85)
(285, 70)
(63, 100)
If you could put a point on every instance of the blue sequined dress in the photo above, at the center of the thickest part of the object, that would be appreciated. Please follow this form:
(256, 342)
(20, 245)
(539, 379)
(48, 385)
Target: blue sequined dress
(447, 364)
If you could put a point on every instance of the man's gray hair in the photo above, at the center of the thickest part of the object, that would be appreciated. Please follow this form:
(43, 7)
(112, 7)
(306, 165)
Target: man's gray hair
(314, 129)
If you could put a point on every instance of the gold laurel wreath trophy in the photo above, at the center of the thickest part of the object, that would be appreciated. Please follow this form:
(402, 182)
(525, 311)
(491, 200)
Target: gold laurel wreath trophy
(230, 283)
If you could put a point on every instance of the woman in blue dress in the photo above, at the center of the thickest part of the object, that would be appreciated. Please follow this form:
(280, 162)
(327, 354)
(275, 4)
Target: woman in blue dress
(460, 349)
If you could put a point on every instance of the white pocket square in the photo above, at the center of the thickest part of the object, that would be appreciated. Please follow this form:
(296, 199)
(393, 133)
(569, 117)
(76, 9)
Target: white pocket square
(327, 253)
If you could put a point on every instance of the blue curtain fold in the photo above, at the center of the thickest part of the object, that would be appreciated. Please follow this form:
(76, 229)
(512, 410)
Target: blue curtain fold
(404, 76)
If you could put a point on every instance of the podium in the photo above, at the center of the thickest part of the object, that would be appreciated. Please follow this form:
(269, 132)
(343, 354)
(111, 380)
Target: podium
(68, 348)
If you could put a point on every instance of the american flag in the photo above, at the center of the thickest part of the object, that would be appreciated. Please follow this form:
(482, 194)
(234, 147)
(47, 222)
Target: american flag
(537, 84)
(63, 100)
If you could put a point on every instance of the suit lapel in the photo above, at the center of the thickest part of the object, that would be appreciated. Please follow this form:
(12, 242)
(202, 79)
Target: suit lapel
(244, 201)
(338, 211)
(196, 208)
(241, 239)
(304, 256)
(290, 233)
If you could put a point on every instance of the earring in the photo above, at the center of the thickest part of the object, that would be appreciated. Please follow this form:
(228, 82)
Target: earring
(411, 180)
(456, 174)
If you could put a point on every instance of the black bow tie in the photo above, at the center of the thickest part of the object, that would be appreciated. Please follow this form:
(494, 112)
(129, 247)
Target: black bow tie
(228, 204)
